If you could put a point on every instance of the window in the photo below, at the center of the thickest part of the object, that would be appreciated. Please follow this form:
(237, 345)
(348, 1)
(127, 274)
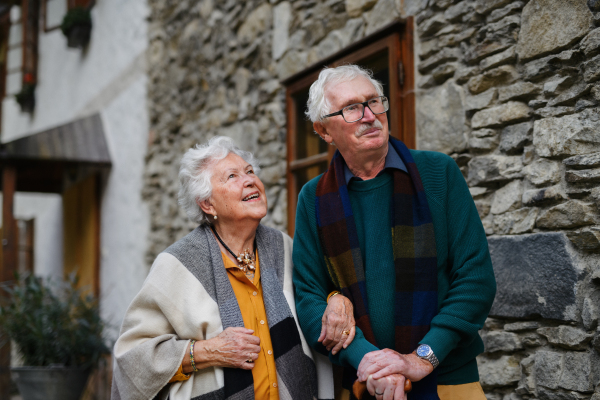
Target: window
(4, 32)
(22, 55)
(388, 53)
(53, 11)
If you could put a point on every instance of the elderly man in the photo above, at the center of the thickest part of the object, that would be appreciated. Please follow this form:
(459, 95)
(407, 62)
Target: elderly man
(397, 232)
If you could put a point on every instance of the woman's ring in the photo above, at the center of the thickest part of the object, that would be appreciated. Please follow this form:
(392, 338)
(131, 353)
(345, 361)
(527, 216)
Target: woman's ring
(345, 332)
(249, 361)
(378, 394)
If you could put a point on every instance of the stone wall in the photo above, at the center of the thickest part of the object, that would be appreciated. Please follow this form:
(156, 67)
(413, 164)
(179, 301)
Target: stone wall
(518, 83)
(510, 89)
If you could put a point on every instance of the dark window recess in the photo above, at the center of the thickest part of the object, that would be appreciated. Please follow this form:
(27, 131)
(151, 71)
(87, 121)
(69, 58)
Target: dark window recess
(389, 54)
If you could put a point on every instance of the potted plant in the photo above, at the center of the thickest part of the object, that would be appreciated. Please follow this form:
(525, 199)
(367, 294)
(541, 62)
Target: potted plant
(58, 333)
(77, 27)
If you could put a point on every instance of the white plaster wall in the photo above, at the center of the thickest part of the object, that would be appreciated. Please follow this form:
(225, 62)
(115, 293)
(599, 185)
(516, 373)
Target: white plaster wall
(108, 77)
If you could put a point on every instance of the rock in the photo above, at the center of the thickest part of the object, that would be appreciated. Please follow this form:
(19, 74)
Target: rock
(498, 76)
(571, 214)
(507, 198)
(463, 74)
(290, 63)
(591, 43)
(547, 112)
(282, 16)
(256, 23)
(583, 104)
(500, 372)
(538, 197)
(570, 96)
(589, 314)
(455, 12)
(355, 8)
(527, 382)
(567, 337)
(483, 207)
(526, 267)
(594, 5)
(585, 239)
(521, 326)
(510, 112)
(543, 172)
(494, 168)
(519, 90)
(515, 137)
(516, 222)
(580, 371)
(498, 14)
(483, 144)
(477, 191)
(569, 135)
(442, 130)
(485, 6)
(584, 175)
(431, 26)
(537, 103)
(528, 155)
(505, 57)
(443, 72)
(483, 133)
(557, 84)
(540, 69)
(591, 69)
(501, 341)
(548, 368)
(595, 194)
(384, 13)
(429, 48)
(482, 100)
(550, 25)
(443, 56)
(596, 92)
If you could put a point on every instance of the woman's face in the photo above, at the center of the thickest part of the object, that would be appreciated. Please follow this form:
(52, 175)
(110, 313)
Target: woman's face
(237, 193)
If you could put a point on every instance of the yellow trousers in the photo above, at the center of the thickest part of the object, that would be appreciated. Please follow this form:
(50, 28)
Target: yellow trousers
(467, 391)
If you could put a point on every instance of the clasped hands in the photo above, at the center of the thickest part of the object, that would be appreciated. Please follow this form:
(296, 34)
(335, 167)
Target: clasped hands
(384, 370)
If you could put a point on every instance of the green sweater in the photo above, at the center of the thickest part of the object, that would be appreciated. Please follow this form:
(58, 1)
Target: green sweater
(466, 283)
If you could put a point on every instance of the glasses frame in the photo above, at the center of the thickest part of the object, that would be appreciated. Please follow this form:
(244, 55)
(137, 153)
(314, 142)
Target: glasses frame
(365, 104)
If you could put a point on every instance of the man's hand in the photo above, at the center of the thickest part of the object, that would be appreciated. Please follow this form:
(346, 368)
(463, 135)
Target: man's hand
(388, 362)
(337, 324)
(389, 387)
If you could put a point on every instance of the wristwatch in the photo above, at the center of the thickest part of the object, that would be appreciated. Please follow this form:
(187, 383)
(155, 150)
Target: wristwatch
(425, 352)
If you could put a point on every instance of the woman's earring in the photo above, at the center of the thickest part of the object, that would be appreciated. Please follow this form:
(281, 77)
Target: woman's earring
(215, 216)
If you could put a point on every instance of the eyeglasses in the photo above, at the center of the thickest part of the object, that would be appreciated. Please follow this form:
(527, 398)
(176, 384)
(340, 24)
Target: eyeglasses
(356, 112)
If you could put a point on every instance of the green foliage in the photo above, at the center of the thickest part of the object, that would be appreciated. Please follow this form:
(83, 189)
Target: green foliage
(60, 326)
(74, 17)
(26, 94)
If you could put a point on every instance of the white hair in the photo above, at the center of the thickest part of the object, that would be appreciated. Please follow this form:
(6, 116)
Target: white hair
(196, 171)
(318, 104)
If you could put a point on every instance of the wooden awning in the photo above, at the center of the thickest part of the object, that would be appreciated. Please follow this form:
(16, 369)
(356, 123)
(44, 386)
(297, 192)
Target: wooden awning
(52, 160)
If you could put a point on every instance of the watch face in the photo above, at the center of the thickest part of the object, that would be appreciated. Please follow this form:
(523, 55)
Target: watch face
(423, 350)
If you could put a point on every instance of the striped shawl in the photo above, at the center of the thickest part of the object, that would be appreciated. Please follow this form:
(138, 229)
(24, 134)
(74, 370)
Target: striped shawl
(187, 295)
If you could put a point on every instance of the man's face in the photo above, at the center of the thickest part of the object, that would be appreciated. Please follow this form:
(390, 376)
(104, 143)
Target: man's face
(370, 133)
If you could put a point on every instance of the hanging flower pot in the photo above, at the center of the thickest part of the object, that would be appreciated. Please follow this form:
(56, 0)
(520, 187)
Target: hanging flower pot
(26, 97)
(77, 27)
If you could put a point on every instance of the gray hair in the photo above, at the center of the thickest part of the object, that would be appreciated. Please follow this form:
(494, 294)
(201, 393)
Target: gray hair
(318, 105)
(196, 171)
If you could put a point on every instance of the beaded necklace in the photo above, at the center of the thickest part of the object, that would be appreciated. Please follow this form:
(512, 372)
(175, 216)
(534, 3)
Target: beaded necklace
(245, 259)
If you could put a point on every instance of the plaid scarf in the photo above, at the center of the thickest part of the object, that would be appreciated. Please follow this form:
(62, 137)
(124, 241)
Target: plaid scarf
(414, 250)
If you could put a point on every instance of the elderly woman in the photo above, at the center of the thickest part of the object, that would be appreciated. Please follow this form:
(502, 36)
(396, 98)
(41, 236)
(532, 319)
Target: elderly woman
(215, 318)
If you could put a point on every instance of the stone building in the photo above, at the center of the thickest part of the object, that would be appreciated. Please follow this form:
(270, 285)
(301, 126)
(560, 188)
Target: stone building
(510, 89)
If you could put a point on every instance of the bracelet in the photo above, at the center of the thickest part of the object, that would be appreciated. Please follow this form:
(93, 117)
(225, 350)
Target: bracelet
(192, 356)
(332, 294)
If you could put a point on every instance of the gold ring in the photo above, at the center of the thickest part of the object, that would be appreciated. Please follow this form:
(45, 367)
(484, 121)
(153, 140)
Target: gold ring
(345, 332)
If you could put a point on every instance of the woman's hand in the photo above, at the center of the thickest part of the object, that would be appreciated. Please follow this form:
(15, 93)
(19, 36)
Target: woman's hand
(233, 348)
(337, 325)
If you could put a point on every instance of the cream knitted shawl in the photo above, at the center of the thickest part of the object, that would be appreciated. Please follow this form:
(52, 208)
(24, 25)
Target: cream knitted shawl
(187, 295)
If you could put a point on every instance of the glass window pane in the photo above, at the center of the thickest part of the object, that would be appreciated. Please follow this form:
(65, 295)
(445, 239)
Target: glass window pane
(13, 83)
(306, 174)
(308, 143)
(55, 11)
(16, 34)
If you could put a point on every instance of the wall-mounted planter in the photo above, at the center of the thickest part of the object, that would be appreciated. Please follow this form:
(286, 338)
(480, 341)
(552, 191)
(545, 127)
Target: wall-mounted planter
(26, 97)
(77, 27)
